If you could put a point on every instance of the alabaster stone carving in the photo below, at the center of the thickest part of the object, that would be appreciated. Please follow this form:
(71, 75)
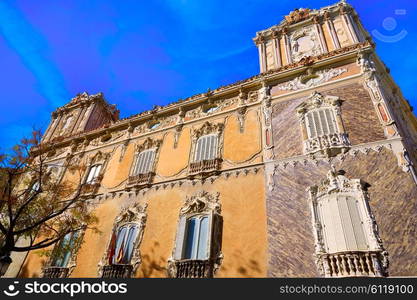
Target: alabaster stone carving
(135, 214)
(310, 79)
(353, 261)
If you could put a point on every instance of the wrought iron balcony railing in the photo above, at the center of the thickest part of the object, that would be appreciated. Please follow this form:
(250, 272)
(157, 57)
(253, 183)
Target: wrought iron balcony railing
(190, 268)
(117, 271)
(141, 179)
(55, 272)
(205, 166)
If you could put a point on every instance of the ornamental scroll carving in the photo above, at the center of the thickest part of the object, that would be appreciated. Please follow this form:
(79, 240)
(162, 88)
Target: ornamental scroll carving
(207, 204)
(352, 262)
(208, 128)
(321, 125)
(310, 79)
(149, 143)
(135, 214)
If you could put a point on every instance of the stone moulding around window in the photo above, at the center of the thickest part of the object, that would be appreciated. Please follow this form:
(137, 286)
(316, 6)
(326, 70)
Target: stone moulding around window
(372, 262)
(99, 158)
(135, 214)
(202, 203)
(49, 271)
(145, 179)
(208, 167)
(328, 113)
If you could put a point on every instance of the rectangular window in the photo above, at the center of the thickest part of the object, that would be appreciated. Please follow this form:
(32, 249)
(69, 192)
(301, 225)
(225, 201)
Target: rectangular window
(122, 244)
(144, 162)
(342, 224)
(196, 243)
(62, 253)
(206, 148)
(93, 174)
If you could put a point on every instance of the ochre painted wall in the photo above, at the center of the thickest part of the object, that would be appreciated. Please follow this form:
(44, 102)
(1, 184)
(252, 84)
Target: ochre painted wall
(238, 146)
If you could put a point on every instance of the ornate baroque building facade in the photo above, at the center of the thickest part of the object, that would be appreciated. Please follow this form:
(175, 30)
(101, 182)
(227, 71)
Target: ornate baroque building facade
(306, 169)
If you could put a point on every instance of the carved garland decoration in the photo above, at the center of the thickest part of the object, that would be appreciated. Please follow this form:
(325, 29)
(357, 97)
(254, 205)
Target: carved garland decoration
(132, 214)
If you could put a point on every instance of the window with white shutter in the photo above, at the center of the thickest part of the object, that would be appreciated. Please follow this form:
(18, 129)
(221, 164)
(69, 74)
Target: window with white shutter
(347, 238)
(321, 122)
(206, 148)
(322, 127)
(93, 174)
(144, 162)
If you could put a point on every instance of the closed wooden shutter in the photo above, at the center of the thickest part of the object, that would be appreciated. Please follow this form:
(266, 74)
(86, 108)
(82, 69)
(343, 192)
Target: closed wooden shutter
(342, 224)
(321, 122)
(216, 235)
(179, 240)
(206, 148)
(144, 162)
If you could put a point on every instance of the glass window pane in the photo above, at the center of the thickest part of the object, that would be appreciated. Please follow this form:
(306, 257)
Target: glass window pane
(119, 245)
(130, 243)
(203, 239)
(191, 238)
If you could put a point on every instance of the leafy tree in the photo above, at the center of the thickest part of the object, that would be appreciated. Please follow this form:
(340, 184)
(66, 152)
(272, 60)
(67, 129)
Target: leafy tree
(34, 203)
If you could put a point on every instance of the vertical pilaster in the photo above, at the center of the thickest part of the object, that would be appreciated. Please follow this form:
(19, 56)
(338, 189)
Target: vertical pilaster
(277, 49)
(260, 42)
(319, 30)
(287, 45)
(331, 29)
(348, 23)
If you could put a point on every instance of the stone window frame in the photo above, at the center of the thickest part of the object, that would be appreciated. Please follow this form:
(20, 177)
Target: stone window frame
(327, 145)
(206, 166)
(50, 271)
(374, 261)
(201, 204)
(99, 158)
(133, 214)
(146, 178)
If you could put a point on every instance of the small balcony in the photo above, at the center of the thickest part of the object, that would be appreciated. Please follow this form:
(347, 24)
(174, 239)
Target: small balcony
(90, 188)
(117, 271)
(205, 166)
(190, 268)
(352, 264)
(328, 145)
(141, 179)
(55, 272)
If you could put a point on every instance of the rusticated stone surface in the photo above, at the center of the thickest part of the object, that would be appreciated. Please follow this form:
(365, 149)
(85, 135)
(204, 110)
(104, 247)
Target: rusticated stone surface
(358, 115)
(393, 200)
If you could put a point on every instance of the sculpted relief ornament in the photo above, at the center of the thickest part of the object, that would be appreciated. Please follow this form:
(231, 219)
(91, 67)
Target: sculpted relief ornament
(321, 125)
(202, 205)
(304, 42)
(347, 241)
(134, 215)
(310, 79)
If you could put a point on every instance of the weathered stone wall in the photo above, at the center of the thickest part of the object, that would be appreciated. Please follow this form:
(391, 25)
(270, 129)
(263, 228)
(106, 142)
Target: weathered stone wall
(393, 197)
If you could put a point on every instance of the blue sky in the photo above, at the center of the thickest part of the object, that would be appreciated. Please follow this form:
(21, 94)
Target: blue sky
(142, 53)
